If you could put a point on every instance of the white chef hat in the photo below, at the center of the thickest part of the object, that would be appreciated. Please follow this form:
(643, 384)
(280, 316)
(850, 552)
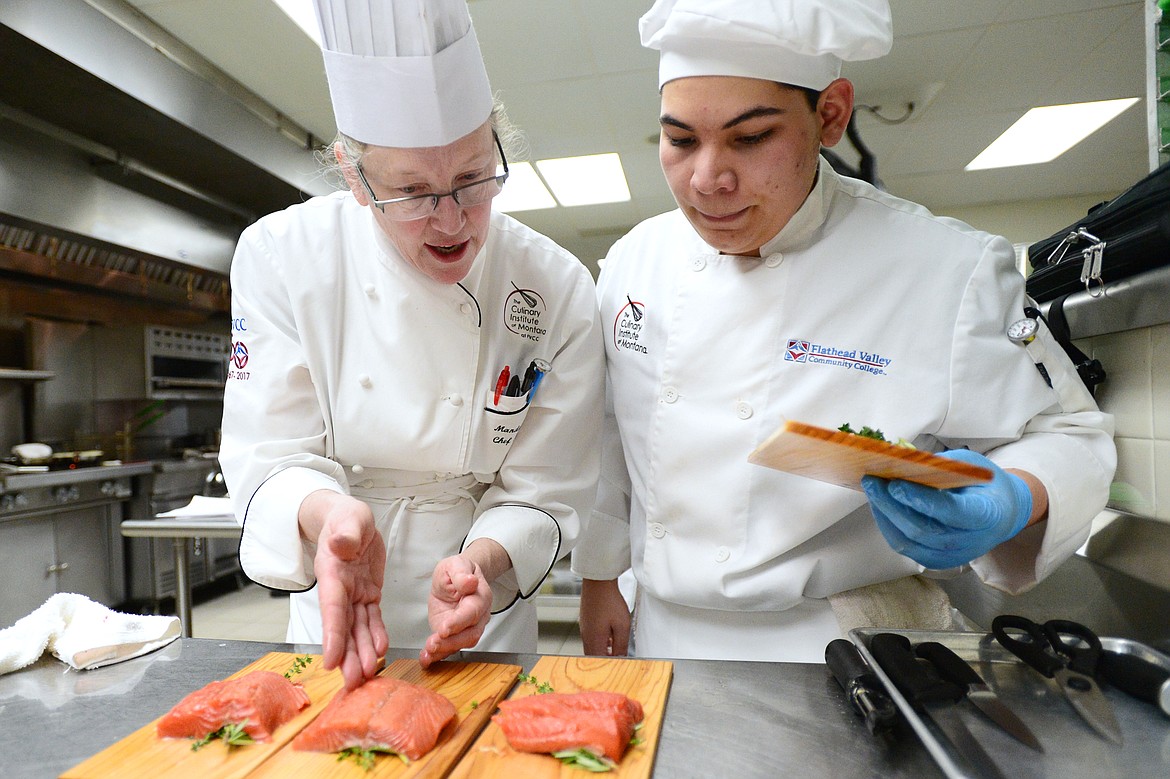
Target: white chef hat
(403, 73)
(799, 42)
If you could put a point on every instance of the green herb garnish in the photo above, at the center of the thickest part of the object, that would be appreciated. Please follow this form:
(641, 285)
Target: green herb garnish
(866, 432)
(364, 757)
(877, 435)
(475, 704)
(539, 685)
(232, 734)
(585, 760)
(299, 664)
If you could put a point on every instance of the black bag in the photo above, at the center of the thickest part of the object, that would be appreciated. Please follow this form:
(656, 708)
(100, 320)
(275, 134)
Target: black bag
(1115, 240)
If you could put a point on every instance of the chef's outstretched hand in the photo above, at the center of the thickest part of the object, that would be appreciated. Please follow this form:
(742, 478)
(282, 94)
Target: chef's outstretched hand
(459, 607)
(350, 564)
(948, 528)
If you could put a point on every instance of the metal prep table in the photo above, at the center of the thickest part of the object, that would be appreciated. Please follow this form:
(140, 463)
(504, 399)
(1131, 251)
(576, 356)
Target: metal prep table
(722, 719)
(181, 530)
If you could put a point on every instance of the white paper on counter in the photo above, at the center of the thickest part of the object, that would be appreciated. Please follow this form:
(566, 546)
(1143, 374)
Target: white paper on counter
(202, 506)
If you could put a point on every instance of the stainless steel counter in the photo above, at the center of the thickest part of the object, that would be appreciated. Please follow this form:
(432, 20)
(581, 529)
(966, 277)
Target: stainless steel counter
(723, 719)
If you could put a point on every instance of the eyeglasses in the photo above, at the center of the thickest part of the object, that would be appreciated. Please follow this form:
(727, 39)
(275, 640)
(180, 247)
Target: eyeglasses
(405, 209)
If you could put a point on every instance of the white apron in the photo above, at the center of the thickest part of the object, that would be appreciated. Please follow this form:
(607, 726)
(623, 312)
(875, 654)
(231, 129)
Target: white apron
(422, 524)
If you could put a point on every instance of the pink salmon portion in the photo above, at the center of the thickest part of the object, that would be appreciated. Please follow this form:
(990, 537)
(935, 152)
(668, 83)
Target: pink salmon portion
(602, 722)
(383, 712)
(261, 700)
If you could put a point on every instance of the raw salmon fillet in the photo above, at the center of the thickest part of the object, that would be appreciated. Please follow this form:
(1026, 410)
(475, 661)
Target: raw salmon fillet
(602, 722)
(383, 712)
(263, 700)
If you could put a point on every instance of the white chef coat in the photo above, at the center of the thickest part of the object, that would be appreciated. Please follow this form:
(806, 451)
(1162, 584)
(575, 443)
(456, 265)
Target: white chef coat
(865, 309)
(354, 372)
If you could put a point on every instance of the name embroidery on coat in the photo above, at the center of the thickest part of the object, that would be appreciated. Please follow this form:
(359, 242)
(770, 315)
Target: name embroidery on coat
(802, 351)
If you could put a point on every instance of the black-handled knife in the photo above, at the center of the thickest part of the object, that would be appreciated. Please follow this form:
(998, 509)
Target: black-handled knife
(861, 685)
(955, 669)
(928, 692)
(1136, 676)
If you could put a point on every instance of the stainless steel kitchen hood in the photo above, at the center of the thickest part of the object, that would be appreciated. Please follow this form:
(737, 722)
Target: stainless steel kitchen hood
(104, 128)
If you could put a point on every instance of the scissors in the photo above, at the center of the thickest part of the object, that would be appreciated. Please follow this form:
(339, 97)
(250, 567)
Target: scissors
(1067, 652)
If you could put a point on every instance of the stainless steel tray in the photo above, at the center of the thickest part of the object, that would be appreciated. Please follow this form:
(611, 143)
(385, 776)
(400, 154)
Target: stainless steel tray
(1071, 747)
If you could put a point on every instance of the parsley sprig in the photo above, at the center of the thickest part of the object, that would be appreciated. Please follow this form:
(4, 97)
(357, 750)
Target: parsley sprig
(866, 432)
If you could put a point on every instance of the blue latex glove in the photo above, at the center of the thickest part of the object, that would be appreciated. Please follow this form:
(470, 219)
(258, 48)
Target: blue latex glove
(948, 528)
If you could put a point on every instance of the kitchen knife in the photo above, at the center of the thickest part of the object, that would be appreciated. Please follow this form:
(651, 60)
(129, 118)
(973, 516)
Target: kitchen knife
(955, 669)
(1137, 677)
(928, 692)
(861, 686)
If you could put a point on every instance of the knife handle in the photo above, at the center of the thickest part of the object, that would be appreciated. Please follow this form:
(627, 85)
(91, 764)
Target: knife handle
(952, 667)
(847, 664)
(861, 685)
(917, 680)
(1137, 677)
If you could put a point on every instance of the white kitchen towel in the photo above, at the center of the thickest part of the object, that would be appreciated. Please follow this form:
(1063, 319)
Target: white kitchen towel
(83, 633)
(908, 603)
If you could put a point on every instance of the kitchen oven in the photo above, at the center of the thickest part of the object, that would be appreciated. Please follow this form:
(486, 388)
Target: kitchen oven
(185, 364)
(59, 532)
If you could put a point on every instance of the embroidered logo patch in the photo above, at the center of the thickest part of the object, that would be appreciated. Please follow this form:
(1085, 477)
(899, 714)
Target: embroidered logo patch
(629, 327)
(802, 351)
(523, 310)
(239, 360)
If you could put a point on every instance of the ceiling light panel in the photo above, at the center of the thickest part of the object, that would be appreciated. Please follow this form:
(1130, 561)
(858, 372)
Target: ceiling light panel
(523, 191)
(582, 181)
(1045, 133)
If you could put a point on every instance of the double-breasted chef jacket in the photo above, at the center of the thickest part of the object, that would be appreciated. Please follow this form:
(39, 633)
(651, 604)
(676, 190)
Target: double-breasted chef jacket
(865, 309)
(353, 372)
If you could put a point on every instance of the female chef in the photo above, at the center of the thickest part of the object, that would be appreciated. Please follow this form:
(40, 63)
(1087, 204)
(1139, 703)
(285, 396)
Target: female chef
(782, 290)
(409, 424)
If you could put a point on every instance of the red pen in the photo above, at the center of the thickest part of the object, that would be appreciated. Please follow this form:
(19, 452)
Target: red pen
(501, 385)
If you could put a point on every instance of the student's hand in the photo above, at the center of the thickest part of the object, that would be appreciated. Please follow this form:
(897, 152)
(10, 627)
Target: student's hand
(604, 619)
(459, 608)
(948, 528)
(349, 565)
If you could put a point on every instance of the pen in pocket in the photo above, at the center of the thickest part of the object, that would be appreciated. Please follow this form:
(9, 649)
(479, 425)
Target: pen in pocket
(537, 369)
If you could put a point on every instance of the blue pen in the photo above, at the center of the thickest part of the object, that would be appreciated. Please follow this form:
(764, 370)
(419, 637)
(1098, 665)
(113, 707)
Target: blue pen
(540, 367)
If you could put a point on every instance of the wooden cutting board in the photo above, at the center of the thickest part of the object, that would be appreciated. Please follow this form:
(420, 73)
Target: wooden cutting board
(143, 755)
(474, 688)
(646, 681)
(843, 458)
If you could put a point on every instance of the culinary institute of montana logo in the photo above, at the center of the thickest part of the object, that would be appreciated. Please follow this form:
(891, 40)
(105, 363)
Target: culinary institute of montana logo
(523, 310)
(629, 327)
(802, 351)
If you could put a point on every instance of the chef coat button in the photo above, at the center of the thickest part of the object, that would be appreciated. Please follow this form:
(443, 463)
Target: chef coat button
(657, 530)
(743, 410)
(455, 400)
(465, 308)
(366, 484)
(722, 554)
(370, 290)
(669, 395)
(357, 468)
(774, 260)
(365, 381)
(698, 264)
